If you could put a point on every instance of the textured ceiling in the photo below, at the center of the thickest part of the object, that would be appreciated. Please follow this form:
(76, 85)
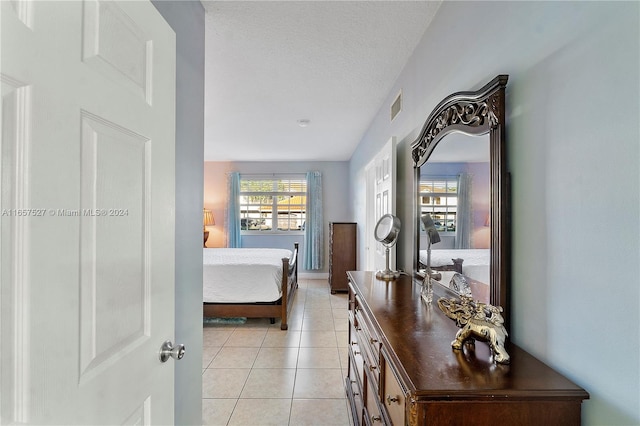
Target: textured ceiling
(272, 63)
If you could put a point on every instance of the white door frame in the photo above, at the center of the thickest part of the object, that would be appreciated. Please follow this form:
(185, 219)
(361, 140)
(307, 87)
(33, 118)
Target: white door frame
(381, 178)
(370, 221)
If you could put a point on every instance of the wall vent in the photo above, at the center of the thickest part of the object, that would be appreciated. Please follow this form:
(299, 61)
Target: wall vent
(396, 106)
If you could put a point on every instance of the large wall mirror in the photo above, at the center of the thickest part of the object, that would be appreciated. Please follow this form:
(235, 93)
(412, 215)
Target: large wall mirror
(461, 182)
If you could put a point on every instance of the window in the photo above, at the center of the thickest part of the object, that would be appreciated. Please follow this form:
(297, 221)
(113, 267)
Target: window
(439, 197)
(272, 204)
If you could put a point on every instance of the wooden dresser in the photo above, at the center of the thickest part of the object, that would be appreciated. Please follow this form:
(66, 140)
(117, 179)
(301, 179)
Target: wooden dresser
(342, 254)
(402, 369)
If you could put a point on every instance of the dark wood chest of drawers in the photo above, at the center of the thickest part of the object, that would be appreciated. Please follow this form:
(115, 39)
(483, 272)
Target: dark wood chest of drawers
(342, 253)
(402, 369)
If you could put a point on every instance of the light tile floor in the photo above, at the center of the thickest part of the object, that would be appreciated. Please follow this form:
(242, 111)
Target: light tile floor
(256, 374)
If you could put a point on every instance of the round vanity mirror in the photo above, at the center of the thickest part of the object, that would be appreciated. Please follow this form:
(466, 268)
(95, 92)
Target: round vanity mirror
(386, 232)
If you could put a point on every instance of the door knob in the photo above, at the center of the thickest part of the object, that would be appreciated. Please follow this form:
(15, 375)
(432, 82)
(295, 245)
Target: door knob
(168, 350)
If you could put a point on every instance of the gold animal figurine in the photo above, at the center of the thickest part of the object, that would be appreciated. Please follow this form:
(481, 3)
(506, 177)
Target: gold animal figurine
(477, 321)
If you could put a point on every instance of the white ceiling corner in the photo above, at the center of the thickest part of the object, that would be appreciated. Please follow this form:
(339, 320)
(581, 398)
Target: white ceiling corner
(272, 63)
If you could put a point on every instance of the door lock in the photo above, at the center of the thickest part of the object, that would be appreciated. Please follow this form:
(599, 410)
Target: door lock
(168, 350)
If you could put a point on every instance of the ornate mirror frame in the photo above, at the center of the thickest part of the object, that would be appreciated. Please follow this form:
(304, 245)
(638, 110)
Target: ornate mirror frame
(475, 113)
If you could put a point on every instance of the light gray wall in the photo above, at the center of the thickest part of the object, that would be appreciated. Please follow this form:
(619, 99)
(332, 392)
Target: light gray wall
(573, 142)
(335, 200)
(187, 20)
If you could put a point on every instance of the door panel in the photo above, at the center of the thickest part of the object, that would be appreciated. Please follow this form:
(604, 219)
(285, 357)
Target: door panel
(117, 46)
(112, 158)
(15, 141)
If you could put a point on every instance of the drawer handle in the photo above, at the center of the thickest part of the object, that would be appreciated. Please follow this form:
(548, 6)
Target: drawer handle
(376, 418)
(372, 340)
(391, 399)
(356, 353)
(372, 367)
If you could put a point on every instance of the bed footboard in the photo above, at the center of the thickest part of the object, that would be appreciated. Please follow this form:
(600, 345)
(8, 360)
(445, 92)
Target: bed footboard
(455, 266)
(289, 285)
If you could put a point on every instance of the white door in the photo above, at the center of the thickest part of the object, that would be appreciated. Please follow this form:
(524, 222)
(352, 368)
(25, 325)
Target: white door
(370, 242)
(88, 107)
(381, 181)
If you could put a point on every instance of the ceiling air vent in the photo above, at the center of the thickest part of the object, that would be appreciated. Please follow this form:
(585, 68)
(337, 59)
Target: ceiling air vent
(396, 106)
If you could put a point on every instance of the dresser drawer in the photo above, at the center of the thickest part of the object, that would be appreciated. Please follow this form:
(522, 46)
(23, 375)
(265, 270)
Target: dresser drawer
(355, 397)
(363, 323)
(372, 415)
(393, 397)
(352, 297)
(356, 360)
(370, 348)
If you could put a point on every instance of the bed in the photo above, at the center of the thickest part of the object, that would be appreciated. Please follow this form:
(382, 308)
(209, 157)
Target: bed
(248, 282)
(473, 263)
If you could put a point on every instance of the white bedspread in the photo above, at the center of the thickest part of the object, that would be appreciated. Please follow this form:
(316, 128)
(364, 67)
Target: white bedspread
(475, 265)
(242, 275)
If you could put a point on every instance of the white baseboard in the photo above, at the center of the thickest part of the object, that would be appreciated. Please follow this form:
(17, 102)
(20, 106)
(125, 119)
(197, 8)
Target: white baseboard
(313, 275)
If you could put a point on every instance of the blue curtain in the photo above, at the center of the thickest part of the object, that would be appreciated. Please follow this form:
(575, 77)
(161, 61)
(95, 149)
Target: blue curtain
(463, 220)
(233, 210)
(314, 226)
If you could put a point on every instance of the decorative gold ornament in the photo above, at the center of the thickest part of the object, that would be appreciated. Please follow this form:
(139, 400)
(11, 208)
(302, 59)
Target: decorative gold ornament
(477, 321)
(413, 412)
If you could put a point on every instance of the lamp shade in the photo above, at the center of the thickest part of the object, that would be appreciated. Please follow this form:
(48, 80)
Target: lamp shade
(208, 219)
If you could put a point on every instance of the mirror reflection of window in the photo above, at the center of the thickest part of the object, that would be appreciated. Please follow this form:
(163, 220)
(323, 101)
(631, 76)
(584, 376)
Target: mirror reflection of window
(439, 198)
